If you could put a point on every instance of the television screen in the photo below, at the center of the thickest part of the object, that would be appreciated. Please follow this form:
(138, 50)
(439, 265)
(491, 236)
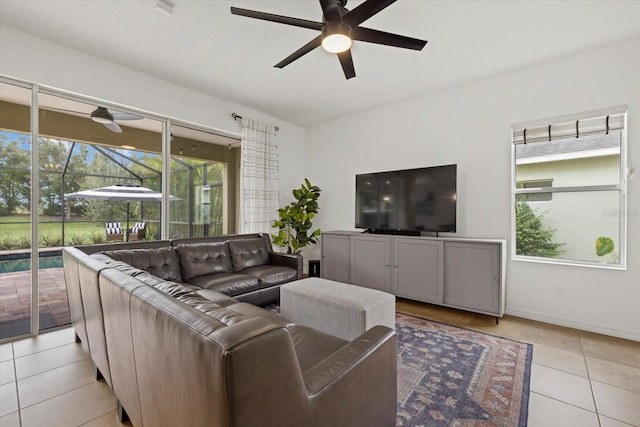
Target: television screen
(411, 200)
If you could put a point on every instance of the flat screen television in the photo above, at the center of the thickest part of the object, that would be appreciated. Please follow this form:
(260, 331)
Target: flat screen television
(407, 201)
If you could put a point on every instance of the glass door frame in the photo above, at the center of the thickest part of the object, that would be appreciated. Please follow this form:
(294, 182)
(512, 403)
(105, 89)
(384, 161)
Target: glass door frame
(166, 122)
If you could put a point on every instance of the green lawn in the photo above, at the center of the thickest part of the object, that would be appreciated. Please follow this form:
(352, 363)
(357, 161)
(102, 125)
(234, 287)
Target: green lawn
(15, 232)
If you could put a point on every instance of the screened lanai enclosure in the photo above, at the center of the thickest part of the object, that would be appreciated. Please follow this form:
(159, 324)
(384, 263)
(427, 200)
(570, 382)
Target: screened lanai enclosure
(53, 144)
(72, 166)
(76, 152)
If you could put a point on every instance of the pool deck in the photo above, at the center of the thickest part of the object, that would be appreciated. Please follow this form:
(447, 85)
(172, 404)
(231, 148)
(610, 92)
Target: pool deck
(15, 295)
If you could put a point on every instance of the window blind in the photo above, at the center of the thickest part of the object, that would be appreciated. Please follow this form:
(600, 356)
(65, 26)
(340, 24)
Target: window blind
(574, 126)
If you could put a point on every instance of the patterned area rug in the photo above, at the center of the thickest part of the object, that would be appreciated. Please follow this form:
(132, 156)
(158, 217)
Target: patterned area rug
(449, 376)
(455, 377)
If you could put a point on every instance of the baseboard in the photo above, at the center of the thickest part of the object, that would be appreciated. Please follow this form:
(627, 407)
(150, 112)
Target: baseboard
(598, 328)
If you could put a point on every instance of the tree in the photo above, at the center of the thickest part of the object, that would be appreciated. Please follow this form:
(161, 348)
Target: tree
(531, 238)
(53, 156)
(105, 210)
(15, 187)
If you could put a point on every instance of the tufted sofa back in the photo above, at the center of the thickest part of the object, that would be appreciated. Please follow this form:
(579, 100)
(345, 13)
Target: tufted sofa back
(200, 259)
(161, 262)
(248, 253)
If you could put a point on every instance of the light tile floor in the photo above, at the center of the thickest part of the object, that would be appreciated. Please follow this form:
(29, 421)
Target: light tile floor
(577, 379)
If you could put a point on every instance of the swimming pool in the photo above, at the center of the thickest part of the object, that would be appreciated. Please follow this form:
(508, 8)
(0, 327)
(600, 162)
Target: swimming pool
(14, 265)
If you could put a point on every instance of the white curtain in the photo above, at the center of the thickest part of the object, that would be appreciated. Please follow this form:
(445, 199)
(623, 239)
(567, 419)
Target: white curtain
(259, 170)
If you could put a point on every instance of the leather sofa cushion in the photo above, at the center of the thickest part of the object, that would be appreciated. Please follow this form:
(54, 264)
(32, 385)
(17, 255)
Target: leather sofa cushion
(216, 297)
(251, 310)
(231, 284)
(161, 262)
(313, 346)
(202, 259)
(190, 297)
(171, 288)
(271, 275)
(118, 265)
(248, 253)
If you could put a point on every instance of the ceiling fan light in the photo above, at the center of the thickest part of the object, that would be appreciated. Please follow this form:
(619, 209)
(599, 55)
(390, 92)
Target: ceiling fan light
(101, 115)
(336, 38)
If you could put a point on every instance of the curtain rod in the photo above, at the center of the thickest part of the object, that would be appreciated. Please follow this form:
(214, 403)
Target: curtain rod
(237, 116)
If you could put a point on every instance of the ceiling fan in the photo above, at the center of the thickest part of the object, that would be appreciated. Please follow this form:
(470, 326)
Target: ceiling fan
(108, 119)
(338, 29)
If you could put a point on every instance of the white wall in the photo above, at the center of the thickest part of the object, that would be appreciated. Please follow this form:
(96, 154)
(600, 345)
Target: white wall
(470, 125)
(36, 60)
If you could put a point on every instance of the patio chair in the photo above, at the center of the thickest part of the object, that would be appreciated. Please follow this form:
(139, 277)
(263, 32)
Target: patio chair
(114, 231)
(138, 231)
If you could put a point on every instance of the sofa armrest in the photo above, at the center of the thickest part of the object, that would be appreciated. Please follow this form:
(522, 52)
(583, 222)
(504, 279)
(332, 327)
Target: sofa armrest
(357, 351)
(287, 260)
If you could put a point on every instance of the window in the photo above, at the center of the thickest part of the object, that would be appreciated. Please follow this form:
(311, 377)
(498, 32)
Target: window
(536, 197)
(576, 166)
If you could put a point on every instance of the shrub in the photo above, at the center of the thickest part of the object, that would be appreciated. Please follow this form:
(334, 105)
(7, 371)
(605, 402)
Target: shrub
(50, 240)
(531, 238)
(24, 242)
(76, 239)
(7, 242)
(97, 237)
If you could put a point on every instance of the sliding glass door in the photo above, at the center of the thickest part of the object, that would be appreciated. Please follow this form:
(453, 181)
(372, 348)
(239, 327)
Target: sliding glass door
(71, 173)
(16, 281)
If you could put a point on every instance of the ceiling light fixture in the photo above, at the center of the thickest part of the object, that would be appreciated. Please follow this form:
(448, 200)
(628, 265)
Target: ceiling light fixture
(164, 7)
(336, 37)
(101, 115)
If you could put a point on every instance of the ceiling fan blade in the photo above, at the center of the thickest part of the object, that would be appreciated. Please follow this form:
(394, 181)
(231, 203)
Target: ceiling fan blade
(113, 127)
(347, 64)
(300, 52)
(331, 10)
(126, 116)
(380, 37)
(296, 22)
(365, 11)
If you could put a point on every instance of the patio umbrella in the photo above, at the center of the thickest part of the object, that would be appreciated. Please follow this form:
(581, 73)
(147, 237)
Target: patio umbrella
(122, 192)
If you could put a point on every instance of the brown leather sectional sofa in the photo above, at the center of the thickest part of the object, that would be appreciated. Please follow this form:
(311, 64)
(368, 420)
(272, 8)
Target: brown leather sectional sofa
(178, 347)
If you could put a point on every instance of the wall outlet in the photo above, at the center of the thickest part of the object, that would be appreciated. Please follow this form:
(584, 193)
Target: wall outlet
(560, 292)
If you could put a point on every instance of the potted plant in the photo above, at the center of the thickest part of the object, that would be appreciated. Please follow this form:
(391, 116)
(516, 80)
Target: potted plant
(294, 223)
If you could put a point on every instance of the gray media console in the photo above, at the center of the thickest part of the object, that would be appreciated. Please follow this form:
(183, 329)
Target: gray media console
(463, 273)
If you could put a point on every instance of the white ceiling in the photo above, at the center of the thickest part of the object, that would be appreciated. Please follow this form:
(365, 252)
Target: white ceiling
(203, 47)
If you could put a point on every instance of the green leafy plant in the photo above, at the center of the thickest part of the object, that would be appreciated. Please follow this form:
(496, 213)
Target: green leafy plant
(7, 242)
(50, 240)
(24, 241)
(605, 246)
(76, 239)
(97, 237)
(294, 221)
(531, 238)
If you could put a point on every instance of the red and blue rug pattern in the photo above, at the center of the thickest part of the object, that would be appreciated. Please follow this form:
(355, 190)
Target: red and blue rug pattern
(450, 376)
